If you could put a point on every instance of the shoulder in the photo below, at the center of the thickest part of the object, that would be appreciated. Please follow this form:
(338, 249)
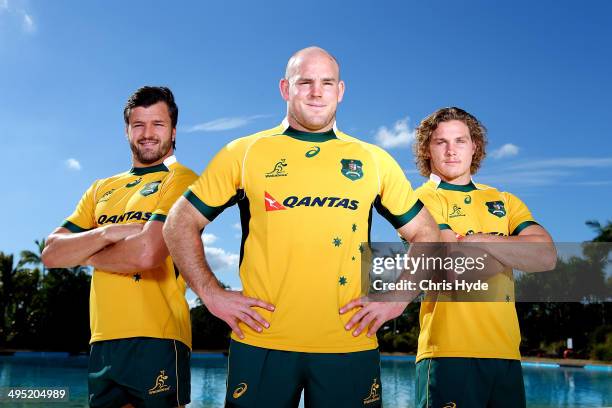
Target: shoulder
(242, 144)
(428, 190)
(504, 195)
(180, 170)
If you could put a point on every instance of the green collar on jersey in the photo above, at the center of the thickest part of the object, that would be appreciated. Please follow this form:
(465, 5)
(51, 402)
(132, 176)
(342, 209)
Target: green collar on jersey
(458, 187)
(139, 171)
(310, 136)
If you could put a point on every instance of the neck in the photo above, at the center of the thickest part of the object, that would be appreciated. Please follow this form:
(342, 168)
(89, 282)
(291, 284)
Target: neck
(297, 126)
(137, 163)
(462, 180)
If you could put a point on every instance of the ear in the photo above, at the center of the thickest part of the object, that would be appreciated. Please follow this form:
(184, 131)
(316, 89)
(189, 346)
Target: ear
(173, 134)
(341, 88)
(283, 85)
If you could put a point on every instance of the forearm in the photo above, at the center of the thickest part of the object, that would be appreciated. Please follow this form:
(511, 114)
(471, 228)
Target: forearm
(118, 258)
(527, 253)
(185, 245)
(68, 250)
(133, 254)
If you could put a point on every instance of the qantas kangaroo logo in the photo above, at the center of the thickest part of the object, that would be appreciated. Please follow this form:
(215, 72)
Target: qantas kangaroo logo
(272, 204)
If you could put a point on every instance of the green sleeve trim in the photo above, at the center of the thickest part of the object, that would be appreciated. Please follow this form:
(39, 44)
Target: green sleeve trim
(209, 212)
(444, 227)
(522, 226)
(73, 227)
(398, 221)
(158, 217)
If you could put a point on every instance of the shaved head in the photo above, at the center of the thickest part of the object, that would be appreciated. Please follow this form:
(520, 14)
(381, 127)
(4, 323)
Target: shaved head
(299, 56)
(312, 89)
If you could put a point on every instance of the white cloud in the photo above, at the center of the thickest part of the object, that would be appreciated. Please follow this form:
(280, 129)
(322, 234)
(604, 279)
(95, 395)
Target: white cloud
(507, 150)
(219, 258)
(73, 164)
(398, 136)
(208, 239)
(28, 23)
(237, 226)
(221, 124)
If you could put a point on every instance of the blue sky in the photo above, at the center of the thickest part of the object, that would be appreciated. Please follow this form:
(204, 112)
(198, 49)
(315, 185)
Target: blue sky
(536, 73)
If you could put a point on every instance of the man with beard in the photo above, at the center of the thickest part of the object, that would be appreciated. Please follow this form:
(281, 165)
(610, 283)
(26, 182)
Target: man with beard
(139, 318)
(305, 191)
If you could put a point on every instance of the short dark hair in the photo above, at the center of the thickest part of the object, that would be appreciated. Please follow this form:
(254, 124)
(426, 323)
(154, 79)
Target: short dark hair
(150, 95)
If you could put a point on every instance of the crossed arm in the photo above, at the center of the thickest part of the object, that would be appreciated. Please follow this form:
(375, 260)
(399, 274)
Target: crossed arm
(119, 248)
(533, 249)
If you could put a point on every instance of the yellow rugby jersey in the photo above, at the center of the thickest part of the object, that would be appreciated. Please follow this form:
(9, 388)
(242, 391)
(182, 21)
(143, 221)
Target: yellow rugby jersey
(473, 329)
(305, 202)
(149, 303)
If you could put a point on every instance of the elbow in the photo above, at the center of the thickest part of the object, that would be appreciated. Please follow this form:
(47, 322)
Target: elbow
(48, 257)
(549, 260)
(150, 259)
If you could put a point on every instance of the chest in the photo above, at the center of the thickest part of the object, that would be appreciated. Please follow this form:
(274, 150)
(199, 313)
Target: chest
(330, 176)
(476, 212)
(128, 199)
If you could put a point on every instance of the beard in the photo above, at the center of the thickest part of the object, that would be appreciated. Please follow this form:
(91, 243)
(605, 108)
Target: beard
(150, 156)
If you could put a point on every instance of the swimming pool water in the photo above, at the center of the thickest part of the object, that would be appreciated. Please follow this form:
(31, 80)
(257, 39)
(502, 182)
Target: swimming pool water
(546, 386)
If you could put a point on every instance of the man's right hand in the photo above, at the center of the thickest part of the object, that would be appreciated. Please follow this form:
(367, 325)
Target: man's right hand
(113, 233)
(233, 307)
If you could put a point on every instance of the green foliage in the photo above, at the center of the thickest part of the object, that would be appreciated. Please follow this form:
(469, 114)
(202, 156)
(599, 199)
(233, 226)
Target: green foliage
(209, 332)
(48, 309)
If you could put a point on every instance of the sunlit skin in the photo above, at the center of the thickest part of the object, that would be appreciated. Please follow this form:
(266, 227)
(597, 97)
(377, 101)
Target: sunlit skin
(150, 134)
(312, 89)
(451, 150)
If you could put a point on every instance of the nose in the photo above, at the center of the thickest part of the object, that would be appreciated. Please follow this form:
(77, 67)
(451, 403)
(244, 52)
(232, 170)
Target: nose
(317, 89)
(450, 149)
(149, 131)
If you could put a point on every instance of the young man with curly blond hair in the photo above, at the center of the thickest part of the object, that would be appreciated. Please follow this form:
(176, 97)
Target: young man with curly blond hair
(468, 352)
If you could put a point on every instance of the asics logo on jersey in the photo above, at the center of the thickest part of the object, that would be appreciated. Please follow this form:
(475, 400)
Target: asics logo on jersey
(313, 152)
(128, 216)
(134, 183)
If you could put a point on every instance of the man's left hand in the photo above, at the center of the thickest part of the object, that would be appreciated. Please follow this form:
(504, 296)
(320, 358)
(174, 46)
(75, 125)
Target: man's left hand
(371, 314)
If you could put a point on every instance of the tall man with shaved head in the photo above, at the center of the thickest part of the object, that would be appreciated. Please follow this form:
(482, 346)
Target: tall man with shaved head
(305, 192)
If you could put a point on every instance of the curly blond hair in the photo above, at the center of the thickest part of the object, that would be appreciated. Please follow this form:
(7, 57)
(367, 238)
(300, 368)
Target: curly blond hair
(478, 133)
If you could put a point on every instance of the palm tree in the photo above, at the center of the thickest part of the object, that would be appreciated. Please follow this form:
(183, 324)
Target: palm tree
(604, 234)
(7, 272)
(34, 258)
